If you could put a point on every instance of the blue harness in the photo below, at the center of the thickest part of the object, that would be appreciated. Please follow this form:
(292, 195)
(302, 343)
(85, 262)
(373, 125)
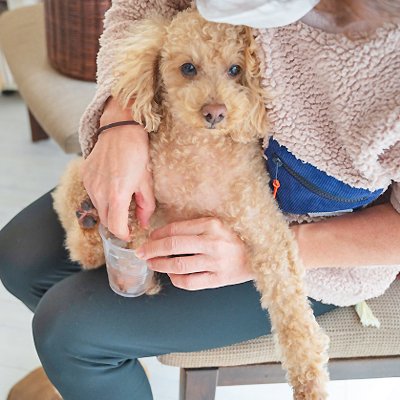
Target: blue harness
(304, 189)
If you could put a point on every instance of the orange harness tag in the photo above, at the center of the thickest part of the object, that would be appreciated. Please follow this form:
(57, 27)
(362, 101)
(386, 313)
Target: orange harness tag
(276, 185)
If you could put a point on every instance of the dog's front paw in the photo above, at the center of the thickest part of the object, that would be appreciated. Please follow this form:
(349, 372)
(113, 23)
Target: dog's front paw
(155, 286)
(87, 215)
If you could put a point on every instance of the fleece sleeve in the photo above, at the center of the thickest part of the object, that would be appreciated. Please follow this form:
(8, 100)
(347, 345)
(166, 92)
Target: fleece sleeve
(395, 196)
(390, 161)
(117, 20)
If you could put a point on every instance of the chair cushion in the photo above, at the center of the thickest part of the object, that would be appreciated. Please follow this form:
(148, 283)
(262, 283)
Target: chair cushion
(348, 338)
(56, 101)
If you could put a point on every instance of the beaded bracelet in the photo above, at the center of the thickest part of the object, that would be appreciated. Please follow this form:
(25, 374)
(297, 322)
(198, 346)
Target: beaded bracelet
(114, 124)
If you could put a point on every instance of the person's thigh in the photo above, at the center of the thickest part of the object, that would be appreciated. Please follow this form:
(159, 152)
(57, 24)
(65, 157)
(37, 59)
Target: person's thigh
(32, 253)
(89, 338)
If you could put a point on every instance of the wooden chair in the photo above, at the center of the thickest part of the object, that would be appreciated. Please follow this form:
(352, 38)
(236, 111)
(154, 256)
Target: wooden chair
(356, 352)
(55, 102)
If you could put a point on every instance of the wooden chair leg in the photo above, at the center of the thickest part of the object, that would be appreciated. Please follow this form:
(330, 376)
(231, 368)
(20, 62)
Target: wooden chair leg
(37, 131)
(198, 384)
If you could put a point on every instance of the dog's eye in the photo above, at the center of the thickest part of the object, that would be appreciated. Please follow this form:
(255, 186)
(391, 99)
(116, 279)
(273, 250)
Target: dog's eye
(234, 70)
(188, 69)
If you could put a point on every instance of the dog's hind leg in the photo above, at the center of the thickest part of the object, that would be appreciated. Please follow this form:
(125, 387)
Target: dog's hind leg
(79, 218)
(85, 246)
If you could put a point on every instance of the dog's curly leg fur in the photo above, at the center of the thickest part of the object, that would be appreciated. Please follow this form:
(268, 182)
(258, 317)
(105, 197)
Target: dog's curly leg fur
(302, 345)
(279, 278)
(84, 245)
(140, 236)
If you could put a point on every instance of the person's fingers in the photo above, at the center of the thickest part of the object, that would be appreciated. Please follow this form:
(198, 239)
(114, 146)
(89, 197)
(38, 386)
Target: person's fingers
(94, 191)
(81, 171)
(174, 245)
(182, 265)
(145, 203)
(200, 281)
(103, 215)
(198, 226)
(100, 204)
(118, 212)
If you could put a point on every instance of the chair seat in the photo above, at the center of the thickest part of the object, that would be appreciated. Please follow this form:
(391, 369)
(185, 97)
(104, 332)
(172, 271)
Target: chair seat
(56, 101)
(348, 338)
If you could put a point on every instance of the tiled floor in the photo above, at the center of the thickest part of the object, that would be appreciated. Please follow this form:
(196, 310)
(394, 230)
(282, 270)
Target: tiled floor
(27, 171)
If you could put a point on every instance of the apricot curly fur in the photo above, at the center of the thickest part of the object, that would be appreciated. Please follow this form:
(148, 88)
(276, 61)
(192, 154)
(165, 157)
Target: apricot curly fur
(212, 173)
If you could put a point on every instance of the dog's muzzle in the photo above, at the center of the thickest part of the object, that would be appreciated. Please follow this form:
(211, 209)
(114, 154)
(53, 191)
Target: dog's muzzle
(214, 114)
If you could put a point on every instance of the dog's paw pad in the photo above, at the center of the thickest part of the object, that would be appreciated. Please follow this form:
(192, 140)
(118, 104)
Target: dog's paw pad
(87, 215)
(88, 222)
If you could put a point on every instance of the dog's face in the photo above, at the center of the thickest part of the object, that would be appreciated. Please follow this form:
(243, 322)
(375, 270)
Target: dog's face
(207, 74)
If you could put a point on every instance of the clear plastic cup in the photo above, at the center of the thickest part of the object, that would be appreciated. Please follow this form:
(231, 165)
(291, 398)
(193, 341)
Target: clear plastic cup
(128, 275)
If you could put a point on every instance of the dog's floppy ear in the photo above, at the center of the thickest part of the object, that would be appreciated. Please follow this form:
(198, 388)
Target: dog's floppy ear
(256, 123)
(137, 70)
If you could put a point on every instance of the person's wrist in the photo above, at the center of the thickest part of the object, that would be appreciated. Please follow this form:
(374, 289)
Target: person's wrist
(127, 133)
(110, 117)
(299, 234)
(113, 112)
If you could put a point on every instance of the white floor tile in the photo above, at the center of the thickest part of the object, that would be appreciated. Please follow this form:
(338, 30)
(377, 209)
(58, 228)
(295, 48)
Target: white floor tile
(5, 295)
(374, 389)
(27, 170)
(164, 380)
(19, 351)
(277, 391)
(13, 314)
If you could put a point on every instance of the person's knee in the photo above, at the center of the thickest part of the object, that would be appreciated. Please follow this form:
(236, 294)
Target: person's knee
(17, 273)
(60, 331)
(79, 349)
(32, 255)
(69, 330)
(50, 334)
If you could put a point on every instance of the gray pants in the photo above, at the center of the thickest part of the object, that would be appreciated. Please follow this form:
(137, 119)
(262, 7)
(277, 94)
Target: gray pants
(88, 338)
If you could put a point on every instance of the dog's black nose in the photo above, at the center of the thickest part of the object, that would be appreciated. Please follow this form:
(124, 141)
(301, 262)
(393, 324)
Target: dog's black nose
(214, 113)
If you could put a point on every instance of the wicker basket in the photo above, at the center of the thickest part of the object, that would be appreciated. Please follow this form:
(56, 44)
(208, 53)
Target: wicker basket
(73, 28)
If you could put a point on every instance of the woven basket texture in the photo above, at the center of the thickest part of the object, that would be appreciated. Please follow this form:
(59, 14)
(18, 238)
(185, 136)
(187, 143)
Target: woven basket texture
(348, 338)
(73, 28)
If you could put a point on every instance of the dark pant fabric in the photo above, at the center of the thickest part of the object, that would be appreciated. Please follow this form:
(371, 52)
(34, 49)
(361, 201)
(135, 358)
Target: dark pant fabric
(88, 338)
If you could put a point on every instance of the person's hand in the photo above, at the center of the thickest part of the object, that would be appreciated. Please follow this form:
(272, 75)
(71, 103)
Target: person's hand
(216, 256)
(116, 169)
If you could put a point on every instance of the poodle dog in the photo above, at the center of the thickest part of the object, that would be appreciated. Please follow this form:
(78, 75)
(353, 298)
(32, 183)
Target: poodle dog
(195, 86)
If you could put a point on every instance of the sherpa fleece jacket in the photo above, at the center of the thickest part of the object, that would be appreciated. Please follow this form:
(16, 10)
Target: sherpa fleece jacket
(336, 105)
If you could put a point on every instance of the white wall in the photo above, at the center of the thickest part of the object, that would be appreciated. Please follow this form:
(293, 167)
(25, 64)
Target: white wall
(19, 3)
